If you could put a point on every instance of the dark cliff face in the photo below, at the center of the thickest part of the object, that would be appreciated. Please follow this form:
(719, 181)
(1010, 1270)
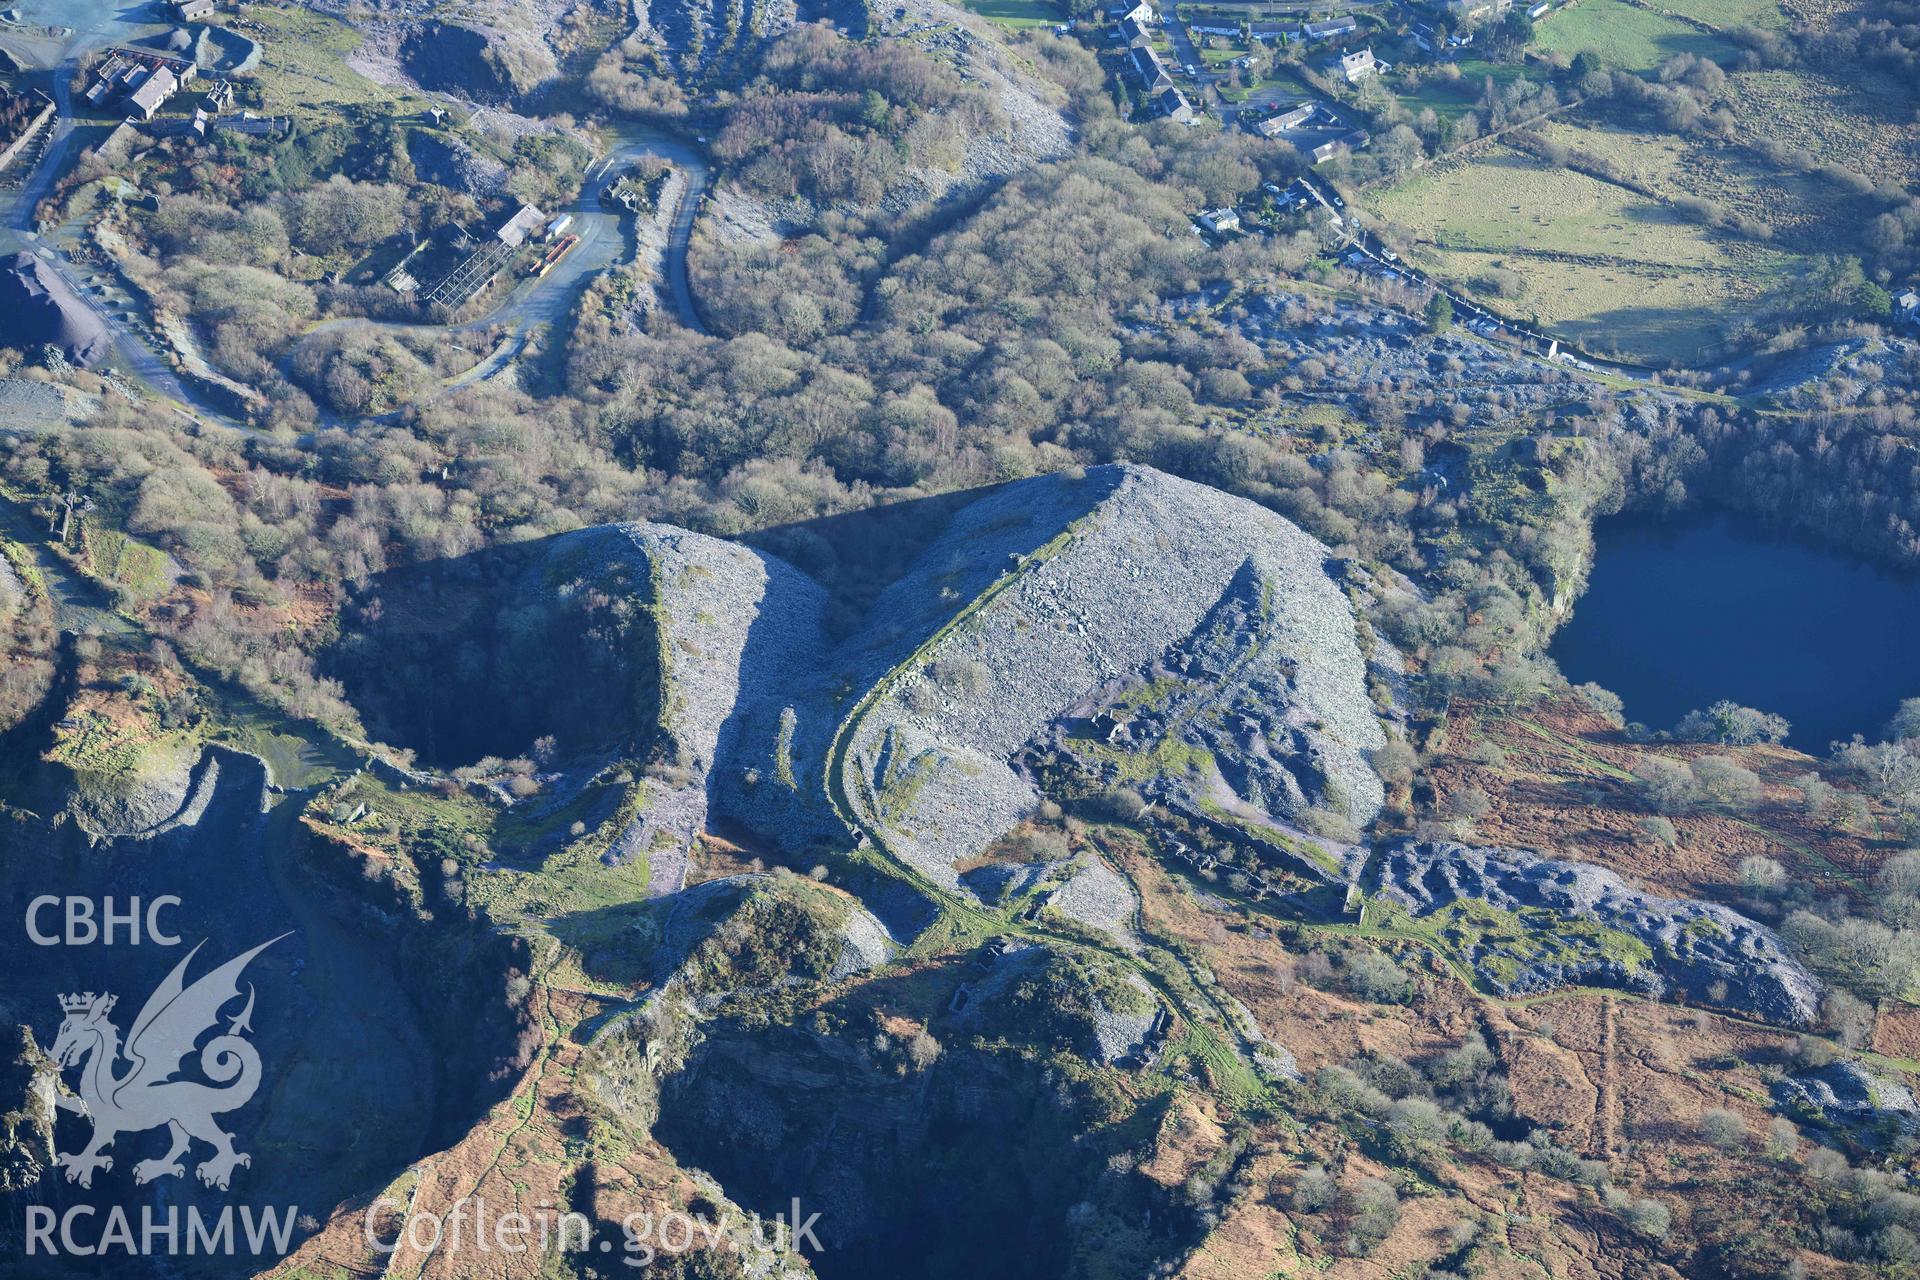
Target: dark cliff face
(26, 1114)
(995, 1156)
(483, 655)
(383, 1032)
(457, 59)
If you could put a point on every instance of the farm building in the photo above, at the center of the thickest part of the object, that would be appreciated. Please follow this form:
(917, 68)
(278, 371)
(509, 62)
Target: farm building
(1539, 10)
(135, 75)
(192, 10)
(155, 88)
(1355, 141)
(514, 231)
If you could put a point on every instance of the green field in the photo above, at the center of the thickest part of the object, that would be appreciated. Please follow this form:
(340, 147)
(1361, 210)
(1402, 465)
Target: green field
(1018, 13)
(1625, 37)
(1855, 124)
(1800, 209)
(1603, 266)
(1729, 13)
(1452, 98)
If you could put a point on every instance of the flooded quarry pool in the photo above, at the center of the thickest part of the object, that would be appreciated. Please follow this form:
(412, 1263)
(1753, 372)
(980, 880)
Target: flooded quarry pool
(1678, 615)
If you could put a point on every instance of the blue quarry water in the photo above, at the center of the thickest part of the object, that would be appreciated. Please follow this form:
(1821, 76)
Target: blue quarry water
(1681, 614)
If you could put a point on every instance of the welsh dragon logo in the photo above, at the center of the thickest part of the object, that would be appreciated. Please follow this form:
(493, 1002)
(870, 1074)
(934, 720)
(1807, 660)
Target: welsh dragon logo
(145, 1095)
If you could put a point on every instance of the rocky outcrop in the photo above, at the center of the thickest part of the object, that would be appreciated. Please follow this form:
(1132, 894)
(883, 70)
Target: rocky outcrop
(28, 1080)
(167, 787)
(1045, 993)
(753, 933)
(1027, 605)
(1100, 898)
(450, 162)
(1141, 569)
(485, 64)
(732, 625)
(1706, 952)
(1846, 1095)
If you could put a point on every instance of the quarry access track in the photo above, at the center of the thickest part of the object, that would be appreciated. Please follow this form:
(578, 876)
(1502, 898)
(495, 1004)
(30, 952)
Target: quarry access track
(1195, 1005)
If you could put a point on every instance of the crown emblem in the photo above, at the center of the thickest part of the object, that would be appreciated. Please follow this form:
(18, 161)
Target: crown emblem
(85, 1002)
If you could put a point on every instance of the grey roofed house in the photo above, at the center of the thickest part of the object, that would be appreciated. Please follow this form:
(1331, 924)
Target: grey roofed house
(1340, 146)
(1219, 221)
(515, 230)
(1331, 27)
(38, 309)
(1907, 303)
(1292, 118)
(153, 92)
(1134, 35)
(1358, 65)
(1149, 70)
(193, 10)
(1173, 104)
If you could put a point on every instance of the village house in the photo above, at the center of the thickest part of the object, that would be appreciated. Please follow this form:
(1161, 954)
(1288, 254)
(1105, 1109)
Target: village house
(1173, 105)
(1292, 118)
(1289, 199)
(1330, 28)
(1149, 70)
(1906, 306)
(1141, 13)
(1357, 66)
(1133, 35)
(192, 10)
(1219, 221)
